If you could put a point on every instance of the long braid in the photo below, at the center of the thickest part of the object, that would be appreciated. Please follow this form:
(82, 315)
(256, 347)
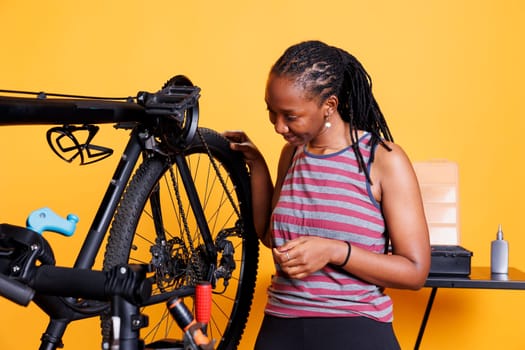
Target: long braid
(322, 71)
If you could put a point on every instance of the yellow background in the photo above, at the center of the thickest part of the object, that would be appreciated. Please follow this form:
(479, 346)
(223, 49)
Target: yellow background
(448, 75)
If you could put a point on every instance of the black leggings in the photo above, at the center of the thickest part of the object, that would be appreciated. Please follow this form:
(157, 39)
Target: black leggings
(352, 333)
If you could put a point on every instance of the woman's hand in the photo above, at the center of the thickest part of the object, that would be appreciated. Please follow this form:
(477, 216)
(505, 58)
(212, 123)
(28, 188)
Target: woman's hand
(303, 256)
(239, 141)
(260, 182)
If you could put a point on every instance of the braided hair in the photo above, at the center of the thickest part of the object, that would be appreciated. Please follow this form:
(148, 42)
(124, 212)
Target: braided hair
(322, 71)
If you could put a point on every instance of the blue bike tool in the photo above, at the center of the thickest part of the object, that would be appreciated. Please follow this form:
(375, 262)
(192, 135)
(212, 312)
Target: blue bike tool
(45, 219)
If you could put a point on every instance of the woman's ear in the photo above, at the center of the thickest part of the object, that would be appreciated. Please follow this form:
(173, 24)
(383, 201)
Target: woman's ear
(331, 104)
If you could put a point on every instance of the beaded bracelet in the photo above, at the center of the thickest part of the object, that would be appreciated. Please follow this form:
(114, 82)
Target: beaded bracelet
(347, 255)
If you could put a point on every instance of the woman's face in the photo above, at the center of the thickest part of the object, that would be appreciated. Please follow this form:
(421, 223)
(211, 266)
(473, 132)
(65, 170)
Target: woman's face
(296, 117)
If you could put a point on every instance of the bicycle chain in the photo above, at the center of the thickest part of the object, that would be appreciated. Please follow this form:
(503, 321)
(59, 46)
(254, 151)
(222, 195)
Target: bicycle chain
(196, 267)
(194, 258)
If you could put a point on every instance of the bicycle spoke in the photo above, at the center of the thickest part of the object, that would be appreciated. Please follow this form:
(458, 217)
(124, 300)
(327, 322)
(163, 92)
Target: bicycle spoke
(163, 226)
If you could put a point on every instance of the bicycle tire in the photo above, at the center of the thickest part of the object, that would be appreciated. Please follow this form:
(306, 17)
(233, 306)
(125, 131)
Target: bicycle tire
(126, 234)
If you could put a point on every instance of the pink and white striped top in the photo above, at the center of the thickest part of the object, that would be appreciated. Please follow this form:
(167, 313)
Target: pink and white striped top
(327, 196)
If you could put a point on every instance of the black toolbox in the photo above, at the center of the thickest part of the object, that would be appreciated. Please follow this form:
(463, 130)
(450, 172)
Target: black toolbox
(450, 260)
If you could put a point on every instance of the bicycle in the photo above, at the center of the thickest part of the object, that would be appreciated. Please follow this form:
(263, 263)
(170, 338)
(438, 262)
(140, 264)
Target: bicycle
(178, 202)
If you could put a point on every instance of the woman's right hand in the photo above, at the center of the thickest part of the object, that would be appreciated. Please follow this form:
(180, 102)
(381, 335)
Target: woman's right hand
(239, 141)
(260, 180)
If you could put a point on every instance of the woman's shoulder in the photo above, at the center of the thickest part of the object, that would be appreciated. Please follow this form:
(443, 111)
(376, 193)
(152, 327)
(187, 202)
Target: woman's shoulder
(288, 149)
(287, 154)
(391, 159)
(391, 169)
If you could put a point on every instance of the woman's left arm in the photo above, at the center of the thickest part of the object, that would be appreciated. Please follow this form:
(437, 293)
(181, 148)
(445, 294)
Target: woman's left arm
(396, 187)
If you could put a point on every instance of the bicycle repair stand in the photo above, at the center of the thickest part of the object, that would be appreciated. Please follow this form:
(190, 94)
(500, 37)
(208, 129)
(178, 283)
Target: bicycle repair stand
(126, 331)
(28, 273)
(126, 324)
(126, 286)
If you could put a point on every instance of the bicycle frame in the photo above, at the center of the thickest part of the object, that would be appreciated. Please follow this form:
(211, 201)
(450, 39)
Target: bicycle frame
(171, 113)
(178, 104)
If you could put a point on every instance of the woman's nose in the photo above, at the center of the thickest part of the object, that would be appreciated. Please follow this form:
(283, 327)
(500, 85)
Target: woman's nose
(280, 127)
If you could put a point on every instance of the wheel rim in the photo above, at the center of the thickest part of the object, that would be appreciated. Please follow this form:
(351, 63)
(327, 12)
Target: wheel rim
(229, 313)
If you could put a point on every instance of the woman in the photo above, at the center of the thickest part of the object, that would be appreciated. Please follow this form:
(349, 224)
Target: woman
(343, 191)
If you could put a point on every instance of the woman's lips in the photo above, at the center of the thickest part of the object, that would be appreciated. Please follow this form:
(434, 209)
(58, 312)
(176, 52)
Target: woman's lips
(290, 138)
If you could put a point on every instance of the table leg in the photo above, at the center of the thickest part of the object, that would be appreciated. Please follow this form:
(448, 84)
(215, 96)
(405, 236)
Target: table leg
(425, 317)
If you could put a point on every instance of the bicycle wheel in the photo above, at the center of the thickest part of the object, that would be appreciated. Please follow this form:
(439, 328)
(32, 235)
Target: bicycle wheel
(159, 223)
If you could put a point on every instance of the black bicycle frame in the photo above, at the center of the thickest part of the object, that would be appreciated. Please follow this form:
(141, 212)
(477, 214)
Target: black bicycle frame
(178, 104)
(173, 110)
(107, 207)
(60, 313)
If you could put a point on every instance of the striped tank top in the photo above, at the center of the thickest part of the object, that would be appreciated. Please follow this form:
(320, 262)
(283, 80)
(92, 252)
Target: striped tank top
(327, 196)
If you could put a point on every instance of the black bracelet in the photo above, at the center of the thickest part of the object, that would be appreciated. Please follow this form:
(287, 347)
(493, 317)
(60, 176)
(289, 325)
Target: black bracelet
(347, 255)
